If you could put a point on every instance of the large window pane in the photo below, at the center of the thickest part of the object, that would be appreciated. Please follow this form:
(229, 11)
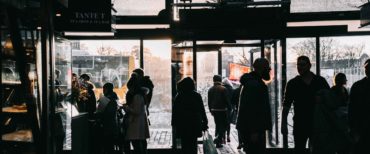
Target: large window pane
(235, 62)
(274, 138)
(157, 65)
(344, 55)
(325, 5)
(138, 7)
(297, 47)
(207, 65)
(63, 90)
(106, 61)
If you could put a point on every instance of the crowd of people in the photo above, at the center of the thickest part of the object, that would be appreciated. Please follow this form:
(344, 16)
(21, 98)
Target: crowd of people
(114, 126)
(333, 120)
(329, 119)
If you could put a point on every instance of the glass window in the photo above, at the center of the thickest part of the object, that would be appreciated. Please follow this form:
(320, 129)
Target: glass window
(138, 7)
(325, 5)
(235, 62)
(207, 67)
(344, 55)
(106, 61)
(274, 138)
(64, 107)
(157, 65)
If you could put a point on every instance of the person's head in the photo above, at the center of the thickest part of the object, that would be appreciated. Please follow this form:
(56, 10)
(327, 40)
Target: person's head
(108, 88)
(217, 78)
(139, 72)
(262, 67)
(303, 65)
(133, 82)
(186, 84)
(340, 79)
(85, 77)
(74, 77)
(367, 68)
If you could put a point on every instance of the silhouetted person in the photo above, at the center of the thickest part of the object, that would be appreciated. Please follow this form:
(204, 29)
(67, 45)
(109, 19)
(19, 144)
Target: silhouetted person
(219, 104)
(146, 82)
(254, 115)
(330, 128)
(301, 92)
(188, 116)
(359, 116)
(137, 130)
(228, 85)
(87, 99)
(106, 115)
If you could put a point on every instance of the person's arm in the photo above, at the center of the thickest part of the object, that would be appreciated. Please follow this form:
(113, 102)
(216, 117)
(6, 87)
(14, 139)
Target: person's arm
(287, 103)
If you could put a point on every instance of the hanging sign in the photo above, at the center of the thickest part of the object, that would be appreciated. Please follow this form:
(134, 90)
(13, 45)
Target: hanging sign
(86, 16)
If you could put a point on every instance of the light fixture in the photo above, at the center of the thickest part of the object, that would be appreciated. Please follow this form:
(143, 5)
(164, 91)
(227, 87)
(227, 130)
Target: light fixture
(88, 33)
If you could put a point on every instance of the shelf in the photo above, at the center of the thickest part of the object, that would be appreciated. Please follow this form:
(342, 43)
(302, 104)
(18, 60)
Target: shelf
(18, 136)
(11, 82)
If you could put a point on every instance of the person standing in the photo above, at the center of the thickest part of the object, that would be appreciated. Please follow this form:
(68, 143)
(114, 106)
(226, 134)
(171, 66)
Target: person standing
(106, 116)
(147, 83)
(137, 130)
(254, 113)
(358, 112)
(87, 99)
(301, 91)
(188, 116)
(219, 104)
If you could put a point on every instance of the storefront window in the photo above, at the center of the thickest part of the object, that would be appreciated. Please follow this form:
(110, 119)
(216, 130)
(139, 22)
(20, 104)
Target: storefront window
(106, 61)
(344, 55)
(157, 65)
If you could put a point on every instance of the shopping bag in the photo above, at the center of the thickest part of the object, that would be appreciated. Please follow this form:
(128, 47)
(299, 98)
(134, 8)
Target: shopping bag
(208, 145)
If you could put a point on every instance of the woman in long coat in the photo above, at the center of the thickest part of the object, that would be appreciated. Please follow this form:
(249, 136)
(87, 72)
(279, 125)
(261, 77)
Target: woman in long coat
(188, 116)
(137, 121)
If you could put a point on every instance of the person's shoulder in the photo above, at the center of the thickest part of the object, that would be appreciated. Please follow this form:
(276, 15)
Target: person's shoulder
(361, 82)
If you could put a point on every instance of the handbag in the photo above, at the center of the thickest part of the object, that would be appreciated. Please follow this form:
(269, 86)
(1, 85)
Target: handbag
(208, 145)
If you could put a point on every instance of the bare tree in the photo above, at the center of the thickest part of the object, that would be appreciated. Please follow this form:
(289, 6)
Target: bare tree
(352, 53)
(305, 48)
(244, 58)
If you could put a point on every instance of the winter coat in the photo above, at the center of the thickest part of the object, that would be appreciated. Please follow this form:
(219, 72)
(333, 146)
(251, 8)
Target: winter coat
(254, 113)
(106, 114)
(218, 98)
(137, 121)
(188, 114)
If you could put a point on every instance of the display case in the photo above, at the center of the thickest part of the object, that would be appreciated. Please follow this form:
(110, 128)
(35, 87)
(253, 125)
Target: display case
(20, 101)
